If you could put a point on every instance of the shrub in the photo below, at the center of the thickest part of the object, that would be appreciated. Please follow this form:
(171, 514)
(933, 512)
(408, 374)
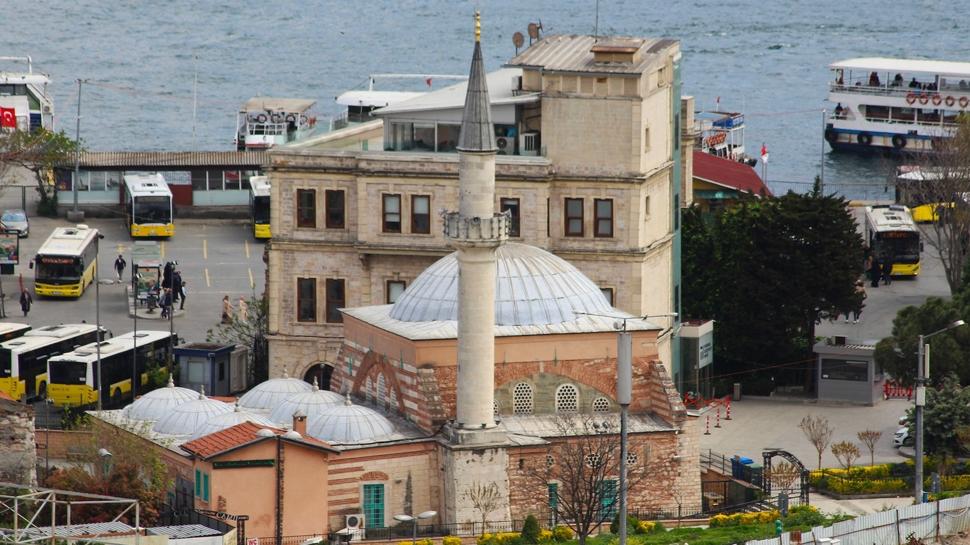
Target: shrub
(720, 521)
(530, 530)
(803, 515)
(451, 540)
(545, 536)
(648, 527)
(562, 533)
(631, 524)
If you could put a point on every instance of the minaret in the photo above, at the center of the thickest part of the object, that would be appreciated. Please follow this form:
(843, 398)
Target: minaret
(476, 231)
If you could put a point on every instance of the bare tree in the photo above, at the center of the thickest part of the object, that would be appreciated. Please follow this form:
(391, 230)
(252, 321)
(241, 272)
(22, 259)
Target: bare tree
(38, 152)
(818, 432)
(485, 497)
(942, 179)
(869, 438)
(584, 462)
(783, 475)
(846, 453)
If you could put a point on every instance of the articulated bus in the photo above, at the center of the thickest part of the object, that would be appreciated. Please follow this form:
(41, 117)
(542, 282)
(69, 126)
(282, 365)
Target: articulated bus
(148, 206)
(65, 264)
(892, 234)
(23, 361)
(259, 205)
(74, 376)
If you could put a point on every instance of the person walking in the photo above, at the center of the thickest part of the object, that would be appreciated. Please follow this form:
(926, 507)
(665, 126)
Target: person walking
(182, 290)
(166, 303)
(25, 301)
(243, 309)
(860, 288)
(875, 271)
(887, 271)
(120, 265)
(226, 310)
(176, 286)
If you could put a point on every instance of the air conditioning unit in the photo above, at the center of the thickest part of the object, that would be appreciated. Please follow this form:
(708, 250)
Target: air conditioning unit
(505, 145)
(354, 522)
(529, 145)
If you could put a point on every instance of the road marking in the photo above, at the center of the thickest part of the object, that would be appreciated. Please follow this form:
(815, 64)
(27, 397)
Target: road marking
(205, 249)
(163, 249)
(246, 245)
(121, 248)
(207, 283)
(252, 284)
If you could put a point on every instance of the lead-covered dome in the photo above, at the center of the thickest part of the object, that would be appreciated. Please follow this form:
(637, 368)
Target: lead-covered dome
(349, 424)
(186, 419)
(532, 287)
(310, 403)
(222, 421)
(266, 396)
(152, 406)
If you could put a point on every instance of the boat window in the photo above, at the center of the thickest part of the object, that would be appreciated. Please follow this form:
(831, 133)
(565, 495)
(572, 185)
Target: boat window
(903, 114)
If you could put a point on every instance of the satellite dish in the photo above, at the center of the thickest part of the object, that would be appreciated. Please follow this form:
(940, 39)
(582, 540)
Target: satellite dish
(533, 31)
(518, 39)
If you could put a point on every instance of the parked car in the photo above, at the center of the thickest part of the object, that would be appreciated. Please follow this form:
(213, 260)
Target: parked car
(16, 221)
(902, 437)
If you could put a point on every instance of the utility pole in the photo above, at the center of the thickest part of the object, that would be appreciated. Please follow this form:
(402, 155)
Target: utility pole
(75, 214)
(821, 175)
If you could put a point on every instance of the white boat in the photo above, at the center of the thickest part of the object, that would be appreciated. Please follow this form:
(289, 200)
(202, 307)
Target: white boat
(264, 122)
(721, 134)
(28, 94)
(898, 105)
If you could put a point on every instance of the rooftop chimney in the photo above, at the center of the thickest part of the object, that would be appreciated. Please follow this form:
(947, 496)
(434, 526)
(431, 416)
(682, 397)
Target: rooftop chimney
(299, 422)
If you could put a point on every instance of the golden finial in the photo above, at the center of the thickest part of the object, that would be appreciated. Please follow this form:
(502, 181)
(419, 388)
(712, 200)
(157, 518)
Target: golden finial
(478, 26)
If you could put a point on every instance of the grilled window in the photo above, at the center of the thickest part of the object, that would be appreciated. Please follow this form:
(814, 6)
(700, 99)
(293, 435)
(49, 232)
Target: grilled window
(306, 208)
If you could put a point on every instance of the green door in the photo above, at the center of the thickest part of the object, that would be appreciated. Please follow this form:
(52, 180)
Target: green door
(373, 506)
(608, 499)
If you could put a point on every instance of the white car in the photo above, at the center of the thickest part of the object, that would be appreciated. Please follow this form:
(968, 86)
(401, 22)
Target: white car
(901, 437)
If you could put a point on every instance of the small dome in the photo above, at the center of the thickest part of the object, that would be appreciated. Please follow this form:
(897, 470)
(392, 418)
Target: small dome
(265, 433)
(222, 421)
(266, 396)
(348, 423)
(532, 287)
(152, 406)
(292, 434)
(309, 403)
(186, 419)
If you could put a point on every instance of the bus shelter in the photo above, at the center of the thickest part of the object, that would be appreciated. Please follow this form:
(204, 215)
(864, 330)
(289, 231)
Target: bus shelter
(146, 271)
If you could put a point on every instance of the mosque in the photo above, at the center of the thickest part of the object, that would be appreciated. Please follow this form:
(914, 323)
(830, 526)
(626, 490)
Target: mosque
(492, 357)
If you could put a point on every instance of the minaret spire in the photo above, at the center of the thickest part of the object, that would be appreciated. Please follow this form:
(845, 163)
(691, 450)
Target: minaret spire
(477, 131)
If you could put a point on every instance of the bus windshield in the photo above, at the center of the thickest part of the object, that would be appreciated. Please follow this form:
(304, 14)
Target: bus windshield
(261, 209)
(58, 268)
(68, 372)
(5, 367)
(153, 209)
(901, 246)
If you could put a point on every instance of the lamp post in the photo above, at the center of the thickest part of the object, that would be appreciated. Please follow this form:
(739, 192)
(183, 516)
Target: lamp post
(105, 461)
(922, 373)
(97, 307)
(413, 519)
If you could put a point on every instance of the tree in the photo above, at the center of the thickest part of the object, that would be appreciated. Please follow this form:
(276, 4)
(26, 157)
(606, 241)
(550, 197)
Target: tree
(818, 432)
(897, 354)
(869, 438)
(846, 453)
(38, 151)
(249, 331)
(943, 178)
(947, 411)
(530, 530)
(783, 476)
(485, 498)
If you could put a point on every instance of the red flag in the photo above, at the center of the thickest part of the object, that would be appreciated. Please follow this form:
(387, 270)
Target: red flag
(764, 153)
(8, 118)
(428, 81)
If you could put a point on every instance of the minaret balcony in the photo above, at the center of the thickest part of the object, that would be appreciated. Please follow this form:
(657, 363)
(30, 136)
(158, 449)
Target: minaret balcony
(477, 231)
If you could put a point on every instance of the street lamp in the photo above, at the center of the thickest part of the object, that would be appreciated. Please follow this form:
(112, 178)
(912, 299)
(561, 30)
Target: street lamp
(414, 522)
(922, 373)
(105, 461)
(97, 300)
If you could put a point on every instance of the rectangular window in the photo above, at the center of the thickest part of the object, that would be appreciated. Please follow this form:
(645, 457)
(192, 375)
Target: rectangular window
(335, 208)
(205, 487)
(198, 483)
(420, 214)
(512, 207)
(646, 139)
(391, 210)
(553, 489)
(306, 208)
(857, 371)
(394, 290)
(306, 299)
(574, 217)
(548, 219)
(608, 294)
(608, 499)
(335, 300)
(374, 505)
(603, 213)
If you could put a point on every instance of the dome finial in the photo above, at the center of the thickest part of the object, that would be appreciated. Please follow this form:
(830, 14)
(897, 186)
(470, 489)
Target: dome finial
(285, 374)
(202, 391)
(316, 385)
(171, 381)
(478, 26)
(347, 401)
(237, 405)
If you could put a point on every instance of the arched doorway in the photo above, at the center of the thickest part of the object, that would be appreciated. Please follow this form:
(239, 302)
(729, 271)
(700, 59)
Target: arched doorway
(320, 371)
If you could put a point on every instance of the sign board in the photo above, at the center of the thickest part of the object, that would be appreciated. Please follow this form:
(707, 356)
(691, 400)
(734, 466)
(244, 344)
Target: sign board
(9, 248)
(146, 265)
(705, 349)
(229, 464)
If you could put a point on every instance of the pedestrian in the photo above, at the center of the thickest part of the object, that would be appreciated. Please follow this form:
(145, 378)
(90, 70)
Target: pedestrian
(243, 309)
(875, 271)
(176, 285)
(167, 303)
(226, 310)
(120, 265)
(887, 270)
(167, 275)
(25, 301)
(182, 291)
(860, 288)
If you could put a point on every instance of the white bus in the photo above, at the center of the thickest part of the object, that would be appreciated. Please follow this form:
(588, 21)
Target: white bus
(23, 361)
(259, 189)
(64, 265)
(74, 376)
(148, 206)
(892, 235)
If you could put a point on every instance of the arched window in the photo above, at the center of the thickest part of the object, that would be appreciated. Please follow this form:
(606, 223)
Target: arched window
(381, 388)
(567, 399)
(522, 398)
(369, 389)
(601, 405)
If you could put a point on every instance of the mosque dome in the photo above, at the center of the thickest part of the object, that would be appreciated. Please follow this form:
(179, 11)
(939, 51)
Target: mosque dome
(348, 424)
(152, 406)
(222, 421)
(267, 395)
(310, 403)
(186, 419)
(532, 287)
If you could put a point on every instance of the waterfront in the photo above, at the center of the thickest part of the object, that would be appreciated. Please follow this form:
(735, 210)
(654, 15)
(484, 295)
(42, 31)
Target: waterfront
(765, 58)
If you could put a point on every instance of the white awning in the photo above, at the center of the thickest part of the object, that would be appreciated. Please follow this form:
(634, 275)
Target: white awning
(375, 99)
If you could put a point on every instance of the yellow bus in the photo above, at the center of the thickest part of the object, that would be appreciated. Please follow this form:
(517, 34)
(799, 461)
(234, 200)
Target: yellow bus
(23, 361)
(259, 189)
(892, 235)
(64, 265)
(148, 206)
(74, 376)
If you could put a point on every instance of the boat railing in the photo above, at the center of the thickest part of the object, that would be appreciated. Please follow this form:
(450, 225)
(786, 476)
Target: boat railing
(901, 91)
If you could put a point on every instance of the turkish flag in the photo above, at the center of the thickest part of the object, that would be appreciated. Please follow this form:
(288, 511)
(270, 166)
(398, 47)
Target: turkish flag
(428, 81)
(8, 118)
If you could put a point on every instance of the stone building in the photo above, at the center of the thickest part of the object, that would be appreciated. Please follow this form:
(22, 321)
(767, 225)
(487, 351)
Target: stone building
(591, 166)
(18, 451)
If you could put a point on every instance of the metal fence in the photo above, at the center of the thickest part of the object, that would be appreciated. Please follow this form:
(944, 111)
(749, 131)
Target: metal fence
(291, 540)
(173, 517)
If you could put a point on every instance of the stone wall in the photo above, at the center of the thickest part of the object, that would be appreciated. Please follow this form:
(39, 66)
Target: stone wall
(18, 451)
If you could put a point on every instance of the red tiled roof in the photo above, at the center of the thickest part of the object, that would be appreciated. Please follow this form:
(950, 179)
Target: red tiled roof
(236, 436)
(727, 173)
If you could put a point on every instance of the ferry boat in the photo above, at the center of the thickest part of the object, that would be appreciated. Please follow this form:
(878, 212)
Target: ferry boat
(895, 105)
(722, 134)
(264, 122)
(28, 94)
